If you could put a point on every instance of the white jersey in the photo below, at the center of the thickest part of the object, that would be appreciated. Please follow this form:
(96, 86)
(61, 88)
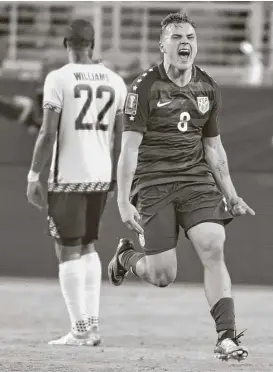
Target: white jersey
(88, 97)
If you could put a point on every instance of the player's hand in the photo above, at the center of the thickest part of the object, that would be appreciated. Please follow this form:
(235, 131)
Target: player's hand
(130, 216)
(237, 207)
(35, 194)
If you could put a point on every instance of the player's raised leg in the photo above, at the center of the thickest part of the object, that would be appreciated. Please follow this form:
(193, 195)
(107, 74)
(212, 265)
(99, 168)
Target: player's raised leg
(158, 265)
(158, 269)
(208, 239)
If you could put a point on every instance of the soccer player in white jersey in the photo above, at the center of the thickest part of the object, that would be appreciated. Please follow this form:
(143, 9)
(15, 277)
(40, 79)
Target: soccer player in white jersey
(82, 104)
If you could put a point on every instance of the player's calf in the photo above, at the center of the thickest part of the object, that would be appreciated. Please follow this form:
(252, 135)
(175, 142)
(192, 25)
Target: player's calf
(72, 283)
(228, 343)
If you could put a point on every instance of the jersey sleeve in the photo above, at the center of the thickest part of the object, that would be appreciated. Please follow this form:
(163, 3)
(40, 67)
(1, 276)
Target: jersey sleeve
(212, 127)
(53, 93)
(136, 109)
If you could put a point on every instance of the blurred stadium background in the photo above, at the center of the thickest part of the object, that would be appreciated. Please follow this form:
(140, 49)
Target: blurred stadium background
(236, 47)
(127, 40)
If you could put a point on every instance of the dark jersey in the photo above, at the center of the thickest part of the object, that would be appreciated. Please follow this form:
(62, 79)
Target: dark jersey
(173, 121)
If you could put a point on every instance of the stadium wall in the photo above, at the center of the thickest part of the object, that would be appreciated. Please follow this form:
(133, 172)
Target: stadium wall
(26, 250)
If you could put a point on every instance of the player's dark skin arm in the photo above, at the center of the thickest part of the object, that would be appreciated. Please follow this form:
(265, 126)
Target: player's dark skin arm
(127, 164)
(216, 158)
(117, 144)
(45, 141)
(126, 169)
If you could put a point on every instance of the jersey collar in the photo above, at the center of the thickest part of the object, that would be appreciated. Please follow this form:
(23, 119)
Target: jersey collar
(164, 75)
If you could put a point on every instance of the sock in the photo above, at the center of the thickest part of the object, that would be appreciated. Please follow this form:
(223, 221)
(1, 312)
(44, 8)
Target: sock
(224, 317)
(72, 278)
(92, 267)
(129, 259)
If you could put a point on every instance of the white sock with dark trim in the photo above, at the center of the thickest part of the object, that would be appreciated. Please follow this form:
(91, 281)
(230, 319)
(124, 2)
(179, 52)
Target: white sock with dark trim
(72, 282)
(92, 267)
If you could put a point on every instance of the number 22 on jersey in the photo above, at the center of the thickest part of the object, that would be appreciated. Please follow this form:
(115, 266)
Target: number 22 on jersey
(99, 93)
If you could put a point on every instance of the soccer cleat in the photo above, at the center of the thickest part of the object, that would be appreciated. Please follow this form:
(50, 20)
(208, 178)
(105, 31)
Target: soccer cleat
(70, 340)
(229, 348)
(89, 338)
(116, 272)
(93, 338)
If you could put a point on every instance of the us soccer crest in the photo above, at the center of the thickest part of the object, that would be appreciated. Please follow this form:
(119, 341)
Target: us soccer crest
(131, 104)
(203, 104)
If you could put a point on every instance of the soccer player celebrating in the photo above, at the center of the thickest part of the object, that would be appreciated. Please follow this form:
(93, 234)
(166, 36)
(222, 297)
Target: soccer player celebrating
(82, 103)
(173, 162)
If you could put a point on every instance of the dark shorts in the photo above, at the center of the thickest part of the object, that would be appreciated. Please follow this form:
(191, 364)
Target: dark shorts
(165, 208)
(74, 218)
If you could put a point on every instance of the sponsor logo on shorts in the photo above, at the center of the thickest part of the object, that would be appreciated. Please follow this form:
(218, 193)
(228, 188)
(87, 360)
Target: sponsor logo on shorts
(141, 240)
(203, 104)
(131, 104)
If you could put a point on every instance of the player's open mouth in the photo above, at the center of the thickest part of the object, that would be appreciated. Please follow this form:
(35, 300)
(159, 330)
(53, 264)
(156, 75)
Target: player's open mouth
(184, 54)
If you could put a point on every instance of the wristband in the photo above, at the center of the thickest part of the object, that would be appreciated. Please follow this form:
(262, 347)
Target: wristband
(33, 176)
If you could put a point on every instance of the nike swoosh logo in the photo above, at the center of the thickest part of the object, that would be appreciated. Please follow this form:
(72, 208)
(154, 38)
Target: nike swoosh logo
(162, 104)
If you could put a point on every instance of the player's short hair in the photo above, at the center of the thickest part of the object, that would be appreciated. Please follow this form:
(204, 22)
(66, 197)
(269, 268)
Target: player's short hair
(79, 34)
(175, 18)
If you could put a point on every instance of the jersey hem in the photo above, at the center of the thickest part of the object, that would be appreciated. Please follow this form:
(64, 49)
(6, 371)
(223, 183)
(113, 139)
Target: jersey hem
(78, 187)
(142, 131)
(138, 185)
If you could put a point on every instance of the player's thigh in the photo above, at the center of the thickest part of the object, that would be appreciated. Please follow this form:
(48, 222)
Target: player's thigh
(67, 216)
(160, 236)
(199, 203)
(208, 240)
(96, 202)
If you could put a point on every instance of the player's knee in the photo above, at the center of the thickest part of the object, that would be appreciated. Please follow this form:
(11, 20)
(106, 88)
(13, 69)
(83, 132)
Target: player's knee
(87, 248)
(162, 277)
(162, 268)
(213, 249)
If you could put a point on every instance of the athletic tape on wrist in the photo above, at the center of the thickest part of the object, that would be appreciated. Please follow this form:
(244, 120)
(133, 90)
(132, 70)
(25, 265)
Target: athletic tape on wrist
(33, 176)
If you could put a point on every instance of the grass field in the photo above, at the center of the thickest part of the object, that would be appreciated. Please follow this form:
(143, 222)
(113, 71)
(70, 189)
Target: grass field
(143, 328)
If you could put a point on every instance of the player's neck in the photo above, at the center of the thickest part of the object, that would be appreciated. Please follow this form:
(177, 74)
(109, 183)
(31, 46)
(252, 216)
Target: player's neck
(179, 77)
(80, 58)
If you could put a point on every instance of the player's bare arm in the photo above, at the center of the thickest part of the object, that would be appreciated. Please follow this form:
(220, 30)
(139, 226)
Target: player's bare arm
(42, 152)
(127, 164)
(216, 157)
(118, 128)
(46, 138)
